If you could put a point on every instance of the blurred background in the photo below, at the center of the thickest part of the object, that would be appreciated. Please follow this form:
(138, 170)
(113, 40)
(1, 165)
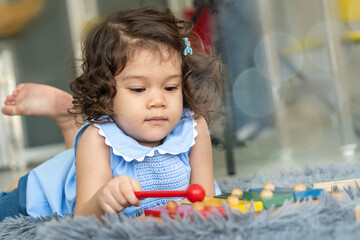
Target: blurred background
(292, 96)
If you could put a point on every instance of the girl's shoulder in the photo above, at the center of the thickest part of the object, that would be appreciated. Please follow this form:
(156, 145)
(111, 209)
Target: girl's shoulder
(88, 138)
(91, 135)
(201, 125)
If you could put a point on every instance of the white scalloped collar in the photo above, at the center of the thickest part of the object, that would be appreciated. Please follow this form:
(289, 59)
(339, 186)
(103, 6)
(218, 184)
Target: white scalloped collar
(180, 140)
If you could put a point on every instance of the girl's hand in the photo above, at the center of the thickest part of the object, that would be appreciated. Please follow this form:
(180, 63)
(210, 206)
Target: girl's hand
(118, 194)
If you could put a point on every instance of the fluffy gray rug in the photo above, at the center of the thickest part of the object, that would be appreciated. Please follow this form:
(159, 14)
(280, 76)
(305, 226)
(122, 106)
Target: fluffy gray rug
(328, 219)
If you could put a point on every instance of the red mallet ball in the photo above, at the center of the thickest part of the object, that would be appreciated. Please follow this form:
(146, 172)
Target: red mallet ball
(195, 193)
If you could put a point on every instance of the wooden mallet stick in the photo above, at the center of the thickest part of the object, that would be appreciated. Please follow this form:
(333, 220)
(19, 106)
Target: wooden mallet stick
(194, 193)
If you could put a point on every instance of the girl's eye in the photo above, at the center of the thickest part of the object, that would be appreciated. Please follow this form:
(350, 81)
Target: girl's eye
(169, 89)
(137, 90)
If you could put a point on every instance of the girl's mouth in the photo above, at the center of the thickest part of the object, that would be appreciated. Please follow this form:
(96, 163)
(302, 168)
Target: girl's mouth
(156, 119)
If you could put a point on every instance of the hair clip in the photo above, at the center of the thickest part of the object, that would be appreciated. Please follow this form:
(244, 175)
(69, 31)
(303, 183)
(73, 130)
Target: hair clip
(188, 49)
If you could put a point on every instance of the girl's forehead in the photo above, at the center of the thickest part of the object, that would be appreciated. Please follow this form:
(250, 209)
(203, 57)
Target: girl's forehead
(149, 57)
(145, 62)
(156, 53)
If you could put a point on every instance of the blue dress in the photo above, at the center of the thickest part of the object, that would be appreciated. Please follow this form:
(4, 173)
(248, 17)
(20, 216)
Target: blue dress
(51, 187)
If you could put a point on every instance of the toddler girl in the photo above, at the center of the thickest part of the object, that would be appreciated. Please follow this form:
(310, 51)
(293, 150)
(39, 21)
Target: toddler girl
(145, 99)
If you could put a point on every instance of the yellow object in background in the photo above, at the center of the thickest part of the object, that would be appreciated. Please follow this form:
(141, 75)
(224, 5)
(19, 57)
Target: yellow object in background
(15, 15)
(349, 10)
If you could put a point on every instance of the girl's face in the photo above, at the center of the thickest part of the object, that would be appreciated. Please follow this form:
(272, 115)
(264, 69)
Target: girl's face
(149, 101)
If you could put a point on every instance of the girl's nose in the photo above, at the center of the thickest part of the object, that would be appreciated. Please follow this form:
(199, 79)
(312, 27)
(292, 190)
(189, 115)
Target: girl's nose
(156, 100)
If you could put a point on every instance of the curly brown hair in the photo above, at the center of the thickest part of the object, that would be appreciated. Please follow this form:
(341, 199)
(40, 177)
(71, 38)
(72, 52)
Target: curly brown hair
(109, 46)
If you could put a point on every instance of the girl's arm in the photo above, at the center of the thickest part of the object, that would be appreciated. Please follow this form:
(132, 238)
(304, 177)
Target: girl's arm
(97, 192)
(201, 161)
